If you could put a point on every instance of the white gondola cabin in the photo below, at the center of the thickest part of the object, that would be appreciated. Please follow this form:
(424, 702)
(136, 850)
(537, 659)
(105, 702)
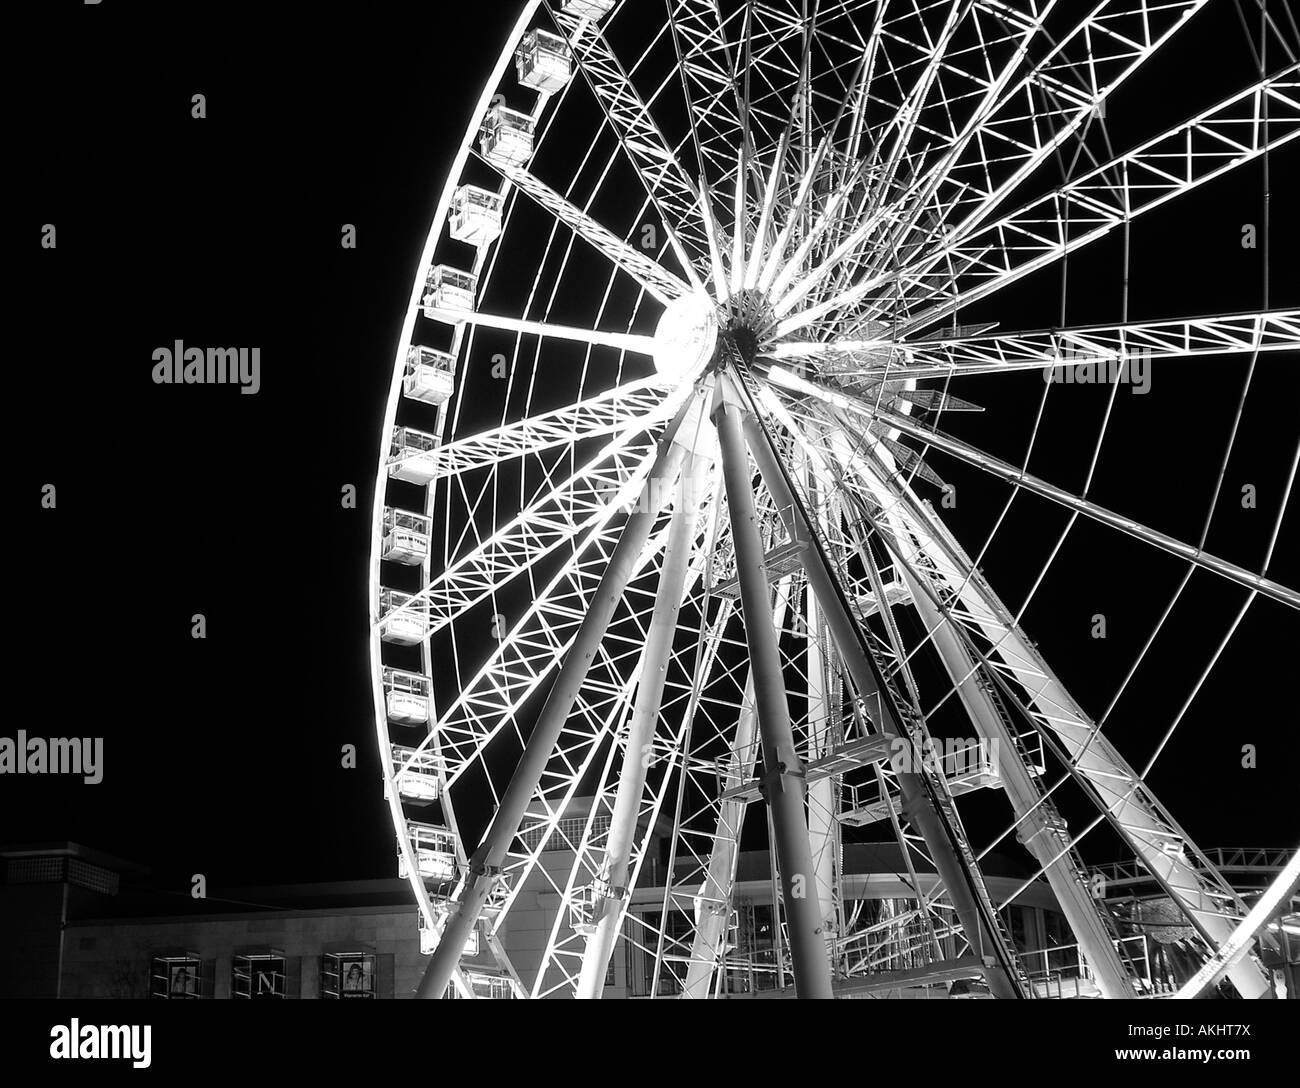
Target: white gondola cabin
(406, 537)
(406, 697)
(542, 62)
(409, 455)
(475, 215)
(447, 288)
(404, 622)
(506, 137)
(595, 10)
(417, 773)
(435, 852)
(430, 374)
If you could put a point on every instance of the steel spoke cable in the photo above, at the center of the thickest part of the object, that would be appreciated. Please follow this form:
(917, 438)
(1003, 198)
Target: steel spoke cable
(1260, 58)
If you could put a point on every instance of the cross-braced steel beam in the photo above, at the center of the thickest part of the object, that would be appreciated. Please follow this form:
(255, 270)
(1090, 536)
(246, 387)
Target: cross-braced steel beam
(961, 880)
(784, 787)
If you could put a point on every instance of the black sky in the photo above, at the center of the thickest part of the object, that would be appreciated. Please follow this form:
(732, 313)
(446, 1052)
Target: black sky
(223, 755)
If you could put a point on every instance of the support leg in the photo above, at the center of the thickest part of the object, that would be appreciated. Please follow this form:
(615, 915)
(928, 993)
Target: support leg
(641, 730)
(917, 804)
(782, 768)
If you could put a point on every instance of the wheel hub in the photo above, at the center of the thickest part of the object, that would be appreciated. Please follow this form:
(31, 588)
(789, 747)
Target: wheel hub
(685, 337)
(745, 319)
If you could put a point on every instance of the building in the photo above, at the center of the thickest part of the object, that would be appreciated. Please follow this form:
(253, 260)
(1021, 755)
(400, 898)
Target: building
(81, 923)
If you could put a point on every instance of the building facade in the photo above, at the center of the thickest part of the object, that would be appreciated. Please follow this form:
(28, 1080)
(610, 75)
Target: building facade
(79, 923)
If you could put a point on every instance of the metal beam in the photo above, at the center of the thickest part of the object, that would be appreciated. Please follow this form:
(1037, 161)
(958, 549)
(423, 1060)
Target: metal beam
(782, 768)
(1238, 944)
(613, 880)
(620, 341)
(918, 806)
(1116, 788)
(659, 281)
(963, 451)
(1040, 832)
(713, 904)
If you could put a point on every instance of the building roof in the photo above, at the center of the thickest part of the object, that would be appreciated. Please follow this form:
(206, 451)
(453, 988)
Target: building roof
(28, 850)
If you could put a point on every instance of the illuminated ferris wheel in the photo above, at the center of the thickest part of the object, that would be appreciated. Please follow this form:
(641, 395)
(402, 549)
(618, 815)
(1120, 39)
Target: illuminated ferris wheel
(659, 519)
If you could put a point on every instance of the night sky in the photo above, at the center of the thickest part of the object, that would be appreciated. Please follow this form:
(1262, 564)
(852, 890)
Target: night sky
(222, 756)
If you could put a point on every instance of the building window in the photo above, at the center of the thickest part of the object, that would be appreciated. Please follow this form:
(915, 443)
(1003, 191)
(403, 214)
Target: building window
(568, 833)
(1018, 928)
(641, 954)
(259, 978)
(347, 975)
(175, 978)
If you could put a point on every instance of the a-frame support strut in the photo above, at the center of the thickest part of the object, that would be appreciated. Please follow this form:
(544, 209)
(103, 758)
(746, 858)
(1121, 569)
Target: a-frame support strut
(919, 806)
(613, 883)
(1040, 834)
(784, 787)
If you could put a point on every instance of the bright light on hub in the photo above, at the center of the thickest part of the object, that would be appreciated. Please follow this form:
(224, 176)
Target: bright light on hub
(685, 337)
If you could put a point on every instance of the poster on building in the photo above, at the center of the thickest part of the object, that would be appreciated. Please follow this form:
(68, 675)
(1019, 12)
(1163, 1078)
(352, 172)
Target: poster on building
(357, 976)
(183, 980)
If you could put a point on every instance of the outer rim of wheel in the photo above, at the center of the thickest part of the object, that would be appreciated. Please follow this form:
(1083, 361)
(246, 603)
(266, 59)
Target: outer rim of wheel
(432, 240)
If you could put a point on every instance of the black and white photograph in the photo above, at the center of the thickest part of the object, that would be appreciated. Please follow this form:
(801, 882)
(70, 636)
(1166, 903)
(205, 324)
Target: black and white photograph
(679, 500)
(182, 980)
(358, 977)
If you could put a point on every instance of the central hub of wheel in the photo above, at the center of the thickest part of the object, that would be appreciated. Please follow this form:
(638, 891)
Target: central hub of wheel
(745, 320)
(685, 337)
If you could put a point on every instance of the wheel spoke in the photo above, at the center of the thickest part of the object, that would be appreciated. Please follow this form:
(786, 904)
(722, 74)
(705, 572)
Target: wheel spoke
(971, 455)
(629, 118)
(1076, 214)
(636, 403)
(620, 341)
(1116, 345)
(1076, 77)
(656, 279)
(1197, 151)
(558, 515)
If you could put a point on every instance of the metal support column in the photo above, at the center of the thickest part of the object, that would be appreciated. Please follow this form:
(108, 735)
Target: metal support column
(1038, 834)
(714, 899)
(713, 905)
(641, 731)
(1129, 805)
(783, 781)
(917, 804)
(823, 827)
(1238, 944)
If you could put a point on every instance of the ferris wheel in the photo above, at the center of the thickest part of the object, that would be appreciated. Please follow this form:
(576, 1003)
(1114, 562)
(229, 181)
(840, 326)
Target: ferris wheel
(659, 518)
